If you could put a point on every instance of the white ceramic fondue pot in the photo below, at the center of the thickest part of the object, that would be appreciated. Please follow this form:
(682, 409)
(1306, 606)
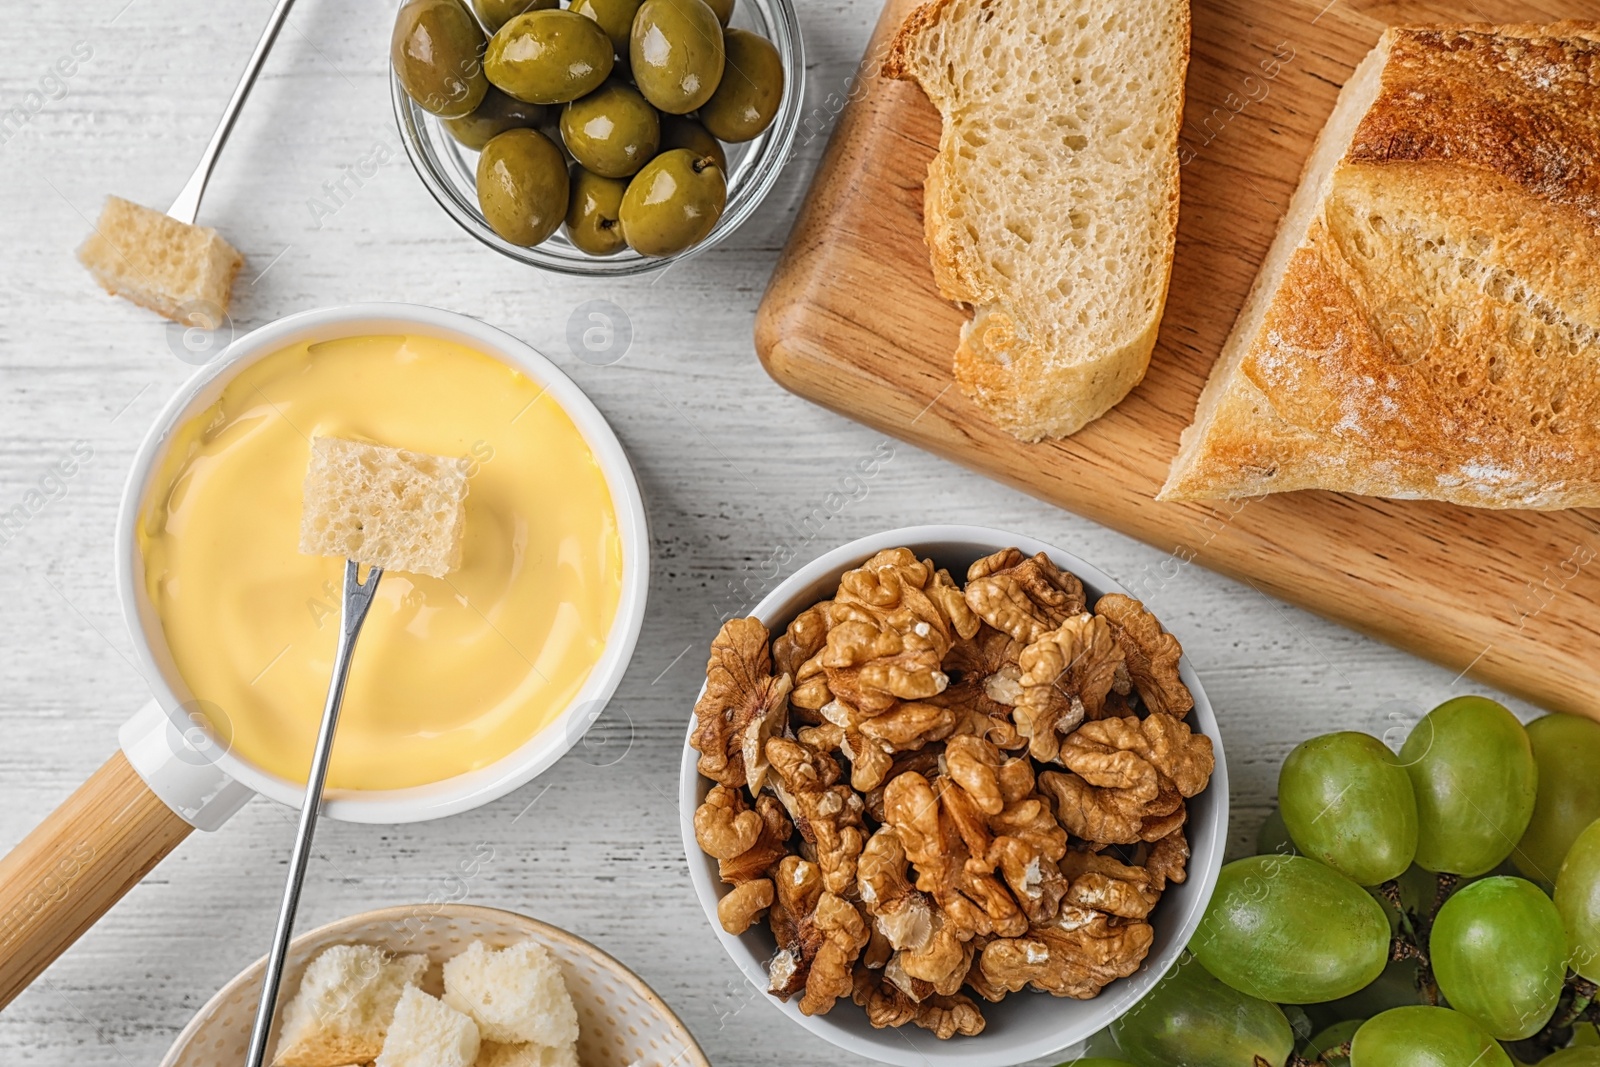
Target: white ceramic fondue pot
(172, 775)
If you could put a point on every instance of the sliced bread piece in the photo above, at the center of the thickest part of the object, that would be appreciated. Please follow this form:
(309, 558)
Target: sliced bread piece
(1052, 206)
(181, 271)
(515, 994)
(343, 1007)
(496, 1054)
(389, 507)
(428, 1033)
(1427, 322)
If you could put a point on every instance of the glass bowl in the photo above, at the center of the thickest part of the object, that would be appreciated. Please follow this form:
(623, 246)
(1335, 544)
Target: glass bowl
(449, 169)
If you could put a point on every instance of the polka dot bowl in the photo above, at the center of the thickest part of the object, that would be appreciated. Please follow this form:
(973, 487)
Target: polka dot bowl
(621, 1021)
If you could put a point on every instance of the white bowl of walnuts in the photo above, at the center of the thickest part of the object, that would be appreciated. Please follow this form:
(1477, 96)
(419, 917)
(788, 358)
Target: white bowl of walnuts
(950, 795)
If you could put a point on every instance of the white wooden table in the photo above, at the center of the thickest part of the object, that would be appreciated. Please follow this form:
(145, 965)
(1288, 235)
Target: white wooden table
(728, 461)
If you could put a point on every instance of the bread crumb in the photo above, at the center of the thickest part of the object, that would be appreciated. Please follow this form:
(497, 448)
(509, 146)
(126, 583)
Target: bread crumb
(341, 1012)
(515, 994)
(428, 1033)
(496, 1054)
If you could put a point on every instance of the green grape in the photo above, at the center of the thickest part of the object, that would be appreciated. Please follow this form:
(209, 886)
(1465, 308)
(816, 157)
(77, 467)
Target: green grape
(1290, 930)
(1328, 1039)
(1273, 838)
(1099, 1051)
(1472, 770)
(1424, 1037)
(1588, 1056)
(1192, 1020)
(1567, 750)
(1347, 801)
(1396, 987)
(1578, 900)
(1499, 955)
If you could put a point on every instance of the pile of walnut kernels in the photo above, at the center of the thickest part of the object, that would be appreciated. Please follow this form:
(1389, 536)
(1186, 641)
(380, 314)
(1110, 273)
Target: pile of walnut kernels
(937, 794)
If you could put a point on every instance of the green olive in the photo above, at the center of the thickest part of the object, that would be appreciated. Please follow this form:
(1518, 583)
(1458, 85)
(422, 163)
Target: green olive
(614, 16)
(594, 213)
(675, 52)
(613, 131)
(723, 9)
(678, 131)
(549, 57)
(522, 186)
(496, 13)
(497, 114)
(751, 89)
(437, 52)
(673, 203)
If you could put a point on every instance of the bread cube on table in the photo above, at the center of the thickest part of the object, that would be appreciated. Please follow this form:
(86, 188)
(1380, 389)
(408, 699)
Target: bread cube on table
(178, 270)
(388, 507)
(428, 1033)
(341, 1012)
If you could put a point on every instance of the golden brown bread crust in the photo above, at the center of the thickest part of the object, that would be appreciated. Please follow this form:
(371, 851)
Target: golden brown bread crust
(1437, 331)
(1513, 101)
(895, 64)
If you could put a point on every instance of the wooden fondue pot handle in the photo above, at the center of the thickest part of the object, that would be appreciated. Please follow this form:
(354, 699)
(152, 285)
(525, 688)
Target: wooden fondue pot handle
(75, 865)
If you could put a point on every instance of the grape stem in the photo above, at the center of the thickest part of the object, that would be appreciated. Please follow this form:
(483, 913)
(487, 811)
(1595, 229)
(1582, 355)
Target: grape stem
(1403, 948)
(1583, 992)
(1408, 921)
(1445, 885)
(1414, 931)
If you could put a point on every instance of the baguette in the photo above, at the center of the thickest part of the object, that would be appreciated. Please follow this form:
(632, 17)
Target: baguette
(1052, 206)
(1427, 322)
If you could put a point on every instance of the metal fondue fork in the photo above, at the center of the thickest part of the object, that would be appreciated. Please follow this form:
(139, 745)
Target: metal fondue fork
(357, 598)
(187, 207)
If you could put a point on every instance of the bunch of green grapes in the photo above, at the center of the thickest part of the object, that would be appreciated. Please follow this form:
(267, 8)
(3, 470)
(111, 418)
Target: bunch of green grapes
(1439, 907)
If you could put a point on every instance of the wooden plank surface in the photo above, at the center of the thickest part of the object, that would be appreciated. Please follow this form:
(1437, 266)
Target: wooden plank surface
(852, 321)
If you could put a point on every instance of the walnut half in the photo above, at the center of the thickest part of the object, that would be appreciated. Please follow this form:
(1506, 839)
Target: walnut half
(743, 705)
(1151, 653)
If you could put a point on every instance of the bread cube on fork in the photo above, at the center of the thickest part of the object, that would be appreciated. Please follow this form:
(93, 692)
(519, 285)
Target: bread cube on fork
(388, 507)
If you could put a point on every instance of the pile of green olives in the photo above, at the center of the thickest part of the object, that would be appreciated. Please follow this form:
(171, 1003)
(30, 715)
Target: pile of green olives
(607, 115)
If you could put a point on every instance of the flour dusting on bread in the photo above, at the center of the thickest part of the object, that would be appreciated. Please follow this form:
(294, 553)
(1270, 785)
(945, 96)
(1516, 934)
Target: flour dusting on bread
(1427, 323)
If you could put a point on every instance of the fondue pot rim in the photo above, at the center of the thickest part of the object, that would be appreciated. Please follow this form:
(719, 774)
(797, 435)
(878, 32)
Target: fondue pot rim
(233, 773)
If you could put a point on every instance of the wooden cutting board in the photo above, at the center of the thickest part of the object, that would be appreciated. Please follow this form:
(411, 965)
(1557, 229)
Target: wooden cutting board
(852, 321)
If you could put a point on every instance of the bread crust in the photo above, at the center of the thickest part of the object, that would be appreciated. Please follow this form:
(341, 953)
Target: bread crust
(897, 63)
(1433, 333)
(1514, 101)
(1033, 386)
